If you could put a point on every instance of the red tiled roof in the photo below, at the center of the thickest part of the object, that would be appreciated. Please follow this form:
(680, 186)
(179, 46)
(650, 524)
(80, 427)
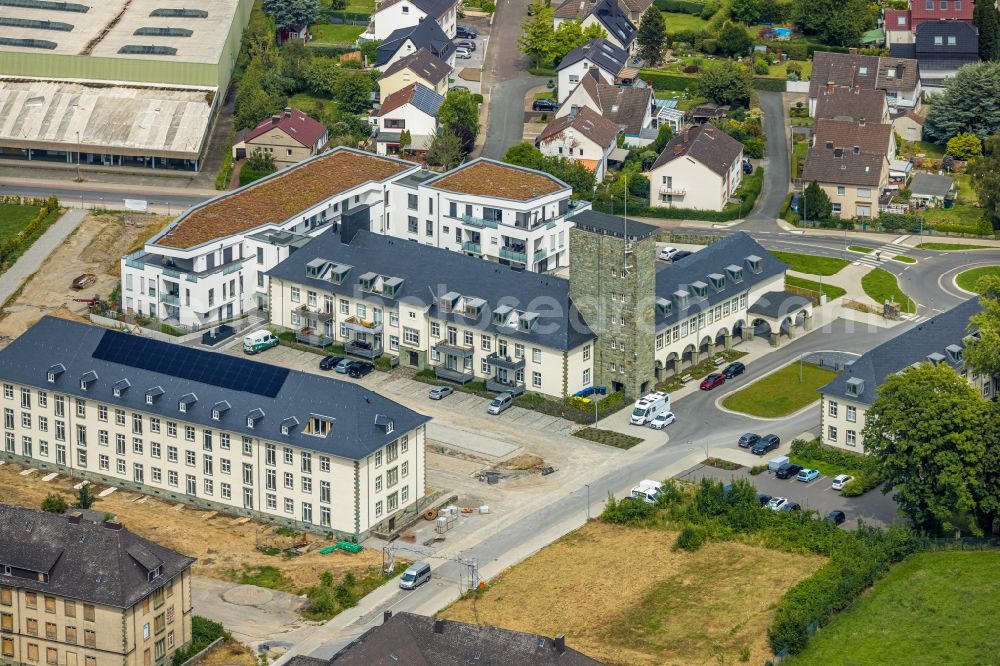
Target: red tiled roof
(587, 122)
(892, 17)
(296, 124)
(919, 11)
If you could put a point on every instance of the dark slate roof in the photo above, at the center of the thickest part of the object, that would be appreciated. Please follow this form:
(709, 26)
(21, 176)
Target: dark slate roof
(903, 50)
(841, 166)
(775, 304)
(627, 107)
(912, 346)
(352, 406)
(966, 39)
(424, 64)
(425, 35)
(733, 250)
(84, 560)
(435, 8)
(853, 105)
(615, 21)
(932, 185)
(613, 225)
(429, 273)
(406, 638)
(601, 52)
(865, 72)
(705, 143)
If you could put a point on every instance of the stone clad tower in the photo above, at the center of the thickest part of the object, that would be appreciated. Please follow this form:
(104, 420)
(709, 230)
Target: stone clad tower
(613, 283)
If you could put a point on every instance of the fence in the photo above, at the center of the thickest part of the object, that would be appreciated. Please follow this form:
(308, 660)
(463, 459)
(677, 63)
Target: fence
(811, 294)
(689, 239)
(797, 86)
(200, 656)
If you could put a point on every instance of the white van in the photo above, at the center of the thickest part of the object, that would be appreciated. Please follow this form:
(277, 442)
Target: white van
(647, 490)
(500, 403)
(649, 406)
(258, 341)
(416, 575)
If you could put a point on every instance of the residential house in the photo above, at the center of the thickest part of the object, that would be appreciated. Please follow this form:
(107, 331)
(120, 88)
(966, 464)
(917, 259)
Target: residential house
(853, 178)
(421, 67)
(699, 168)
(394, 15)
(854, 105)
(405, 41)
(491, 210)
(209, 430)
(705, 113)
(289, 138)
(668, 114)
(578, 10)
(857, 136)
(615, 20)
(897, 77)
(941, 48)
(74, 591)
(899, 27)
(927, 11)
(597, 54)
(583, 136)
(909, 126)
(930, 190)
(631, 109)
(411, 109)
(419, 639)
(465, 318)
(941, 339)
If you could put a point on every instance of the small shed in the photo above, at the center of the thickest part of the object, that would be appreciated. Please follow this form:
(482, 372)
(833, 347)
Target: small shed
(931, 190)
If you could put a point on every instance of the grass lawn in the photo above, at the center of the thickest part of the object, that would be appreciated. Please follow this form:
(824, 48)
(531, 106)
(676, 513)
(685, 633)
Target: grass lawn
(662, 607)
(927, 149)
(677, 22)
(359, 6)
(311, 104)
(779, 70)
(780, 393)
(881, 285)
(682, 104)
(548, 94)
(967, 280)
(860, 248)
(932, 608)
(608, 437)
(832, 291)
(13, 218)
(953, 247)
(799, 151)
(330, 33)
(960, 213)
(809, 263)
(905, 259)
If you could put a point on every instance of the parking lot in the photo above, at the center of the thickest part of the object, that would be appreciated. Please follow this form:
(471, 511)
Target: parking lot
(873, 507)
(472, 78)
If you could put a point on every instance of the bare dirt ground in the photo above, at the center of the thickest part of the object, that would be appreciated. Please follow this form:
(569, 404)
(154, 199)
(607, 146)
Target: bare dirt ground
(95, 247)
(220, 542)
(662, 607)
(230, 653)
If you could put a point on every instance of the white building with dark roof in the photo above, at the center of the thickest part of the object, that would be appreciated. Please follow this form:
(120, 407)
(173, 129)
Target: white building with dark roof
(701, 168)
(602, 55)
(392, 15)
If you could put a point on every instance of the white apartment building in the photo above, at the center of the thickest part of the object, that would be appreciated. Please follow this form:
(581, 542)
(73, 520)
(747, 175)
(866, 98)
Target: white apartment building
(466, 319)
(392, 15)
(600, 55)
(214, 431)
(487, 209)
(699, 168)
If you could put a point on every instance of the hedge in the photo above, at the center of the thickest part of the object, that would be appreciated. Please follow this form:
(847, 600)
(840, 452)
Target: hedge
(981, 228)
(750, 189)
(17, 244)
(680, 6)
(769, 84)
(203, 632)
(664, 81)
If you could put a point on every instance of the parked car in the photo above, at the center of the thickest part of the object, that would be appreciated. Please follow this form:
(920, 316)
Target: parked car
(330, 362)
(667, 253)
(545, 105)
(733, 370)
(466, 44)
(747, 166)
(794, 204)
(807, 474)
(763, 446)
(415, 575)
(500, 403)
(344, 365)
(84, 281)
(439, 392)
(788, 470)
(772, 438)
(792, 506)
(763, 498)
(680, 255)
(463, 53)
(359, 369)
(459, 88)
(662, 420)
(836, 517)
(748, 440)
(466, 32)
(776, 503)
(840, 481)
(713, 380)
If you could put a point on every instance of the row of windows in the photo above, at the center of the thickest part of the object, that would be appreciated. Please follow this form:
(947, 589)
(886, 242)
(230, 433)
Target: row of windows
(31, 603)
(32, 654)
(392, 501)
(706, 318)
(850, 436)
(70, 633)
(833, 409)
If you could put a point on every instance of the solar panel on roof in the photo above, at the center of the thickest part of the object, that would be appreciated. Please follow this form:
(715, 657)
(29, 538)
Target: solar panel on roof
(220, 370)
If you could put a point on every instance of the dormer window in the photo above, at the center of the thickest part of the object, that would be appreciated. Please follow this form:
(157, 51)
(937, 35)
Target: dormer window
(54, 372)
(447, 302)
(254, 417)
(367, 281)
(87, 379)
(119, 387)
(735, 273)
(935, 357)
(384, 423)
(186, 402)
(682, 298)
(855, 386)
(954, 353)
(152, 394)
(155, 573)
(700, 289)
(289, 425)
(219, 410)
(717, 281)
(755, 263)
(526, 322)
(500, 314)
(318, 426)
(664, 307)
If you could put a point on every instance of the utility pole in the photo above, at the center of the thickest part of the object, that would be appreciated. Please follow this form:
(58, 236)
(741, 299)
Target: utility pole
(78, 157)
(588, 501)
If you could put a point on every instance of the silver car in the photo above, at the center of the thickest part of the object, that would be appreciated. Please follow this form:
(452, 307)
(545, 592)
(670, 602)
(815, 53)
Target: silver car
(439, 392)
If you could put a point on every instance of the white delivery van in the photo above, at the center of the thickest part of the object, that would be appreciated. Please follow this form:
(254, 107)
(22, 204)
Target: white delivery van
(649, 406)
(258, 341)
(647, 490)
(417, 574)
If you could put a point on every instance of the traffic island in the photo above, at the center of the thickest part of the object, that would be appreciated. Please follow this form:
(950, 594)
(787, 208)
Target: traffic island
(780, 393)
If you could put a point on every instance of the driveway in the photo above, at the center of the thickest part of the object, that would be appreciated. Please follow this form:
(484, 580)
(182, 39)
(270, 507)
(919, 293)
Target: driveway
(775, 166)
(477, 59)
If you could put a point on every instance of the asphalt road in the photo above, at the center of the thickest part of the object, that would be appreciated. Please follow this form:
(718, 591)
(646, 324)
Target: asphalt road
(97, 196)
(768, 205)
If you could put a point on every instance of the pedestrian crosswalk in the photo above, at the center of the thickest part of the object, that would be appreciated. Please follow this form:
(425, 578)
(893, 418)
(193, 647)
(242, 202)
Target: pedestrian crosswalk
(886, 251)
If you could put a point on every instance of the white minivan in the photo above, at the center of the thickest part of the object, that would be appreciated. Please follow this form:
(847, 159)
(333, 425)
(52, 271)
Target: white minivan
(500, 403)
(258, 341)
(416, 575)
(648, 491)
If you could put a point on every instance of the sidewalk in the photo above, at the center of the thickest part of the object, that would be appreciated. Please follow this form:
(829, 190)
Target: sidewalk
(32, 260)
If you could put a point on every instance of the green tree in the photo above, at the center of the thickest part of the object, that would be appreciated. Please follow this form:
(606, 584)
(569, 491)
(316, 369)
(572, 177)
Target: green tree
(296, 59)
(293, 13)
(816, 205)
(526, 155)
(594, 31)
(261, 162)
(84, 498)
(964, 146)
(925, 433)
(54, 503)
(663, 136)
(968, 104)
(734, 40)
(745, 11)
(986, 18)
(837, 22)
(652, 36)
(984, 173)
(725, 83)
(574, 174)
(459, 114)
(537, 38)
(405, 141)
(982, 354)
(446, 150)
(354, 90)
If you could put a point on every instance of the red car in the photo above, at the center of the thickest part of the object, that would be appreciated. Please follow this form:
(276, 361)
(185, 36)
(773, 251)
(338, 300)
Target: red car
(713, 380)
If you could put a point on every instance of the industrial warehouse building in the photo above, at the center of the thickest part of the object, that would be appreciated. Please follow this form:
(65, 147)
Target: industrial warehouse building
(116, 82)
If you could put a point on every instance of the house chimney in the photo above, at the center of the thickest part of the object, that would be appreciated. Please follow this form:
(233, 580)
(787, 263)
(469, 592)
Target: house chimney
(275, 119)
(438, 626)
(687, 133)
(677, 149)
(829, 87)
(112, 525)
(74, 517)
(560, 643)
(386, 615)
(288, 111)
(852, 51)
(861, 122)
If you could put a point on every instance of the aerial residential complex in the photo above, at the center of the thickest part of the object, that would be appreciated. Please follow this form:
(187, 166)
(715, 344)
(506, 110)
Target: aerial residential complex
(79, 593)
(210, 264)
(210, 430)
(117, 82)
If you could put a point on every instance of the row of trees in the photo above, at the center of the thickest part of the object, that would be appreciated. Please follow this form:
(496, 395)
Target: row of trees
(545, 44)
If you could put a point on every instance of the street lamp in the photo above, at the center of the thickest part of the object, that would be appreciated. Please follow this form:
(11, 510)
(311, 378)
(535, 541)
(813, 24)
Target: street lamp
(78, 156)
(588, 501)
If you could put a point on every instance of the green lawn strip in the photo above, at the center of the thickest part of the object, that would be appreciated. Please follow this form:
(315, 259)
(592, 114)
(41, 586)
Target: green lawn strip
(608, 437)
(677, 22)
(905, 259)
(812, 264)
(961, 213)
(548, 94)
(828, 460)
(953, 247)
(334, 33)
(967, 279)
(780, 393)
(932, 608)
(860, 248)
(9, 229)
(881, 285)
(13, 218)
(832, 291)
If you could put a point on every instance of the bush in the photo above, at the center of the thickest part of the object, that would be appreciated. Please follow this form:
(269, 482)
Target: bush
(203, 632)
(628, 511)
(681, 6)
(769, 84)
(664, 81)
(55, 503)
(383, 363)
(691, 538)
(691, 69)
(761, 67)
(861, 484)
(758, 469)
(981, 228)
